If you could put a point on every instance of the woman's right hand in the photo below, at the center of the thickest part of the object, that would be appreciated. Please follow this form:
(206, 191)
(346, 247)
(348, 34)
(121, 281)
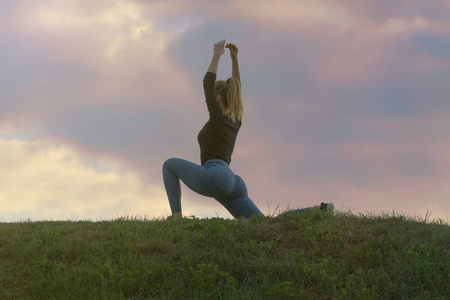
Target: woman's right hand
(233, 50)
(219, 47)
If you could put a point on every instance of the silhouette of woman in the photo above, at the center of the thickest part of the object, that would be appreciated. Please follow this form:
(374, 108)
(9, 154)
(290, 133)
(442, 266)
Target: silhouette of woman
(214, 178)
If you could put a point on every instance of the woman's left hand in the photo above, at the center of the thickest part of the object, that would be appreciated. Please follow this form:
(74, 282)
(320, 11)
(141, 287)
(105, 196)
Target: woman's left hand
(219, 47)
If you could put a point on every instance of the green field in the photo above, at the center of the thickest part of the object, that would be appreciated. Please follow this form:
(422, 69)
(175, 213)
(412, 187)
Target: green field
(298, 256)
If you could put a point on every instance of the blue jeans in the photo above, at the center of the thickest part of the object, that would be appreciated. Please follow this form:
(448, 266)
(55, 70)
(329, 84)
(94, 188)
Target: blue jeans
(214, 179)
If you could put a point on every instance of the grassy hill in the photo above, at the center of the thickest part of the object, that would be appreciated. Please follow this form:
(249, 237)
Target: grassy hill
(309, 256)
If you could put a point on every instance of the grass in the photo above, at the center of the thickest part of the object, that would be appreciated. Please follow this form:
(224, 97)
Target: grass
(308, 256)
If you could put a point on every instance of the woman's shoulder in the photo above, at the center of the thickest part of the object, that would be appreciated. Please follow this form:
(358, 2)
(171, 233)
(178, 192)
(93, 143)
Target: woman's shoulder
(209, 76)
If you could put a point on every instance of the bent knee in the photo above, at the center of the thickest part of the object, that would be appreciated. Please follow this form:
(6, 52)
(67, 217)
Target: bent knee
(168, 163)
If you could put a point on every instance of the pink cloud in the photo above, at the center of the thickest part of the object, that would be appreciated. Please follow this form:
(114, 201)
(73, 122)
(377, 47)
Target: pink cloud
(119, 47)
(343, 41)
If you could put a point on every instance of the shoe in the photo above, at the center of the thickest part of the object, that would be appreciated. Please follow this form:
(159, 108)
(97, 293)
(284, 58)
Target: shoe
(327, 207)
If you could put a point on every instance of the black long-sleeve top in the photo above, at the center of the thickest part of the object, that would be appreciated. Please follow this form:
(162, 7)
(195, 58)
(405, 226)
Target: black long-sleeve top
(218, 135)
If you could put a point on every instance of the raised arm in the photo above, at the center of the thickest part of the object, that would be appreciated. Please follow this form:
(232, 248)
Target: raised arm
(218, 51)
(234, 61)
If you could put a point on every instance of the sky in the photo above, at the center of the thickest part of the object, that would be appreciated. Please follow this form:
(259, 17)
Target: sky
(345, 102)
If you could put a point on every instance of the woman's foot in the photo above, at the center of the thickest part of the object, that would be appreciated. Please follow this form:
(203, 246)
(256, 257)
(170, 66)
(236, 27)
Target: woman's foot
(327, 207)
(177, 215)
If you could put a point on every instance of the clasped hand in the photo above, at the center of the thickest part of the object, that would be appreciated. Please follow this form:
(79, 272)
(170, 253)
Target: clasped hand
(219, 48)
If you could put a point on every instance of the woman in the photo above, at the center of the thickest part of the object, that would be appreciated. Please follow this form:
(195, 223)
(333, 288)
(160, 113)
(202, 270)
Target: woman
(214, 178)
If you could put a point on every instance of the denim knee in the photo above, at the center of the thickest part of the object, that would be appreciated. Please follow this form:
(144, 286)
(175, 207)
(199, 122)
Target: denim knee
(167, 164)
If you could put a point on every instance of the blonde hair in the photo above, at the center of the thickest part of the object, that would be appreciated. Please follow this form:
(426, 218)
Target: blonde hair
(230, 91)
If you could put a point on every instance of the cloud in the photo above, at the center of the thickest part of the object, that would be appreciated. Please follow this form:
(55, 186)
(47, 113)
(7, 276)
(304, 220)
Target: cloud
(45, 181)
(338, 41)
(83, 73)
(116, 46)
